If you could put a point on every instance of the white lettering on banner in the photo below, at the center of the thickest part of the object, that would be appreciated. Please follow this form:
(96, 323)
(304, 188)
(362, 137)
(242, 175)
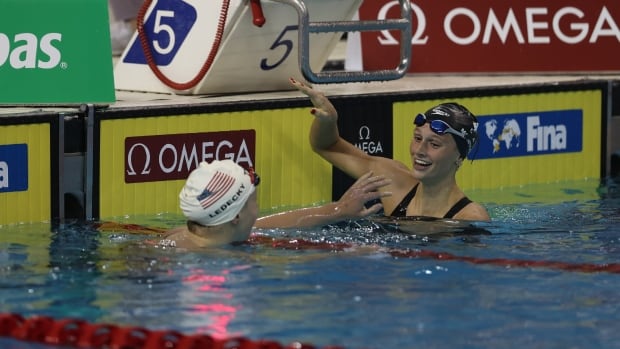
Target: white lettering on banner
(175, 158)
(172, 159)
(535, 25)
(545, 137)
(503, 31)
(147, 162)
(532, 25)
(365, 144)
(580, 28)
(4, 174)
(604, 19)
(189, 158)
(26, 50)
(538, 26)
(447, 26)
(417, 38)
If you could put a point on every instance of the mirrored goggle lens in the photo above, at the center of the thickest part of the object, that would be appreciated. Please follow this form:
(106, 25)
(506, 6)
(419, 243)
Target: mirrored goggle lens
(438, 126)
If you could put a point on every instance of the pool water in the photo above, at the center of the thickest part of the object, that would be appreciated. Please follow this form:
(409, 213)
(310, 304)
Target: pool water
(520, 281)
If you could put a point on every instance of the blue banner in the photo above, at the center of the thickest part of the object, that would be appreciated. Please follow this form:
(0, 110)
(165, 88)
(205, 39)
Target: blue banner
(13, 167)
(526, 134)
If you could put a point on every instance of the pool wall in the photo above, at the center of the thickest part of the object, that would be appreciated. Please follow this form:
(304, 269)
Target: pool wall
(130, 158)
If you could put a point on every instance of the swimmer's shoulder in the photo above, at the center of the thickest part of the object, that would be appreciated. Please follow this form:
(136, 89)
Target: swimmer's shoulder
(171, 237)
(473, 212)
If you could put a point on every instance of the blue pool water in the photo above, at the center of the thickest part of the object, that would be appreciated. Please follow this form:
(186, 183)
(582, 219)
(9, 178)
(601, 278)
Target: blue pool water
(303, 286)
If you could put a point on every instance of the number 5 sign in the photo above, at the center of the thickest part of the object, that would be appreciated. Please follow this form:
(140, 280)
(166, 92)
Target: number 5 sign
(220, 46)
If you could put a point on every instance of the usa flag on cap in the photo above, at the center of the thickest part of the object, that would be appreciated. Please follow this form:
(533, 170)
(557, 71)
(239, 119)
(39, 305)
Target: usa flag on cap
(217, 187)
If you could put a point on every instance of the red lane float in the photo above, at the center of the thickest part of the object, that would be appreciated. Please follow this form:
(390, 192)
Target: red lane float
(300, 244)
(75, 333)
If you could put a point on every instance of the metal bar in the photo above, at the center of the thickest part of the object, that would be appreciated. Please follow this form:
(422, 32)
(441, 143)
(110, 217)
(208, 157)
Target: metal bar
(89, 110)
(348, 26)
(608, 114)
(306, 27)
(61, 168)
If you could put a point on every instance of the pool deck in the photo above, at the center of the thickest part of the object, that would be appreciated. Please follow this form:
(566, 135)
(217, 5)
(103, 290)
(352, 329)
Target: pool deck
(409, 83)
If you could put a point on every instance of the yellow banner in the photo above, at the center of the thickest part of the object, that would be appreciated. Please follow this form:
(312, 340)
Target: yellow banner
(292, 175)
(25, 189)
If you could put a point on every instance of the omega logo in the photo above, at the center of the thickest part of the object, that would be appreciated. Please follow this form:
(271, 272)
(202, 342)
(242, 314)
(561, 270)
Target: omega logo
(147, 162)
(366, 144)
(170, 157)
(531, 25)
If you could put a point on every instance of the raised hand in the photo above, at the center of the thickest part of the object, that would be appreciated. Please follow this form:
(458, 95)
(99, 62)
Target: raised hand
(323, 108)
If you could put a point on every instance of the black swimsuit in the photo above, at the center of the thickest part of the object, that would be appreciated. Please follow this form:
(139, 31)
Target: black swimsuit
(401, 209)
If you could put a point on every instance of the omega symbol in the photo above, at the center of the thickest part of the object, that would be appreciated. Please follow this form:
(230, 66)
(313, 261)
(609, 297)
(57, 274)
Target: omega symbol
(147, 161)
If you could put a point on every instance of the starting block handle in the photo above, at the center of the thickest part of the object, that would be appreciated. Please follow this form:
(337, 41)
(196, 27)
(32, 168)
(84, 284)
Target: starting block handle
(257, 13)
(306, 27)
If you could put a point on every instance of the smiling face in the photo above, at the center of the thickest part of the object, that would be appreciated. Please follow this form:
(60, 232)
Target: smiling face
(434, 157)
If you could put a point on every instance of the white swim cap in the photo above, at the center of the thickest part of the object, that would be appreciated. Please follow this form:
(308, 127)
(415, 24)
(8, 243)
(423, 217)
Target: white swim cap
(215, 193)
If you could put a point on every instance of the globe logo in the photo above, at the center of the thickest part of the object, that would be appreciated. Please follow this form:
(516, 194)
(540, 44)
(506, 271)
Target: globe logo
(509, 134)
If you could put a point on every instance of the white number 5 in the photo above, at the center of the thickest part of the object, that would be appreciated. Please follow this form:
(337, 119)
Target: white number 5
(160, 27)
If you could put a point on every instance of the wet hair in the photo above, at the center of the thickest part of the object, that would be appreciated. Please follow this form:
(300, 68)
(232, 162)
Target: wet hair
(460, 119)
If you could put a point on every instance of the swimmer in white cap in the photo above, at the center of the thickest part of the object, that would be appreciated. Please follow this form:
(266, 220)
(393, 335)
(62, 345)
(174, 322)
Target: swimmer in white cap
(219, 202)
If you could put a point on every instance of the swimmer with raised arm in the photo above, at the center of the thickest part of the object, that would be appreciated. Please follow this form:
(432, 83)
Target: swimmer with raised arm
(443, 137)
(220, 204)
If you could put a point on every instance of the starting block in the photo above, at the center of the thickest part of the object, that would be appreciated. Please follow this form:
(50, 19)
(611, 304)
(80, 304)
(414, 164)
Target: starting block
(232, 46)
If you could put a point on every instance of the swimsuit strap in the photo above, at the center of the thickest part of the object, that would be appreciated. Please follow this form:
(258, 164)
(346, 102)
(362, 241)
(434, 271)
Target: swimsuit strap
(457, 207)
(401, 209)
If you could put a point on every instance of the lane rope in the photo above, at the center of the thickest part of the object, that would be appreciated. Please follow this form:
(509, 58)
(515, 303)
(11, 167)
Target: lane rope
(76, 333)
(300, 244)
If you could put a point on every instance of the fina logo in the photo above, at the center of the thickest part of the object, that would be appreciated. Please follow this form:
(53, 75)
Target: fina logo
(530, 134)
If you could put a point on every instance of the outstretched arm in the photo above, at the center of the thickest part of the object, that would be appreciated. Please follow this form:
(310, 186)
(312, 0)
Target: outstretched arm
(349, 206)
(325, 138)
